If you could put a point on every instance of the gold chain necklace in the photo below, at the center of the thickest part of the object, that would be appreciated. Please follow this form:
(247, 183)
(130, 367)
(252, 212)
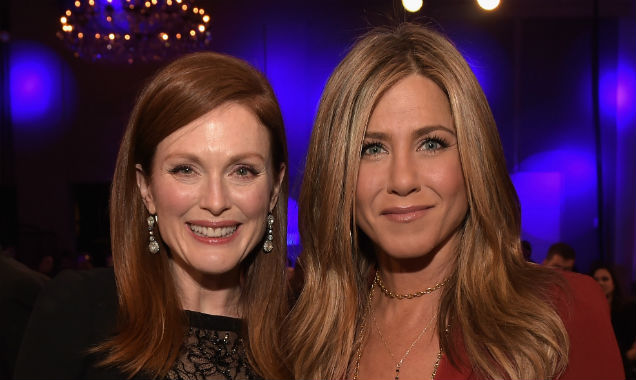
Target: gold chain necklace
(356, 367)
(378, 281)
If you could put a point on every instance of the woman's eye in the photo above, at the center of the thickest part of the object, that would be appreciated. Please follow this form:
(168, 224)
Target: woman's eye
(245, 171)
(182, 169)
(372, 149)
(433, 144)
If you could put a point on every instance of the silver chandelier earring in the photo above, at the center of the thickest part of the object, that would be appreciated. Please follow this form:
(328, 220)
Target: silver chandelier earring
(153, 246)
(269, 235)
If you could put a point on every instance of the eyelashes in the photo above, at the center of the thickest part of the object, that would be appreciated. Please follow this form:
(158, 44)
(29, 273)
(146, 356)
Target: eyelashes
(246, 171)
(182, 169)
(430, 144)
(372, 148)
(241, 171)
(433, 143)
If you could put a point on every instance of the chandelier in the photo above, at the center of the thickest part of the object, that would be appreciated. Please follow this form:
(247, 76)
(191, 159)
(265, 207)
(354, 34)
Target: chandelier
(128, 31)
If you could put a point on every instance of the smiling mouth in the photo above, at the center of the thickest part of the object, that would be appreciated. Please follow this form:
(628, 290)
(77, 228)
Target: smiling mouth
(405, 214)
(211, 232)
(404, 210)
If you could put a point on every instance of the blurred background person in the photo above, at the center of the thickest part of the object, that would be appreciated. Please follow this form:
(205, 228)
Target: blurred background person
(560, 255)
(19, 287)
(47, 266)
(623, 312)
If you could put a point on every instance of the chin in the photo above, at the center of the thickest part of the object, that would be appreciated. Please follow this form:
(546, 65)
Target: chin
(214, 267)
(407, 252)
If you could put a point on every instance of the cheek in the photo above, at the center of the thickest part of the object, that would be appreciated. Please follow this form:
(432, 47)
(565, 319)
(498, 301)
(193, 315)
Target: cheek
(369, 183)
(173, 198)
(448, 179)
(253, 201)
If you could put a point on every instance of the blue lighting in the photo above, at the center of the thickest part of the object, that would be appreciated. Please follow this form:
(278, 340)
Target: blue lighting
(31, 82)
(293, 237)
(557, 190)
(617, 92)
(39, 87)
(541, 198)
(119, 22)
(577, 167)
(298, 72)
(626, 93)
(485, 57)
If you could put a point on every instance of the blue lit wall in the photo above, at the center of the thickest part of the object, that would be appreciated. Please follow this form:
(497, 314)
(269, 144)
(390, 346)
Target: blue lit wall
(42, 98)
(617, 92)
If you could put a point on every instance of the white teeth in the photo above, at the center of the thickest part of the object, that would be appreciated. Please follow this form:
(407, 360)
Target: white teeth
(212, 232)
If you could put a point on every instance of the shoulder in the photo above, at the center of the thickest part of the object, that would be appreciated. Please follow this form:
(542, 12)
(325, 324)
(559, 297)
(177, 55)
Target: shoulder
(74, 311)
(581, 282)
(581, 292)
(92, 277)
(19, 282)
(585, 313)
(74, 290)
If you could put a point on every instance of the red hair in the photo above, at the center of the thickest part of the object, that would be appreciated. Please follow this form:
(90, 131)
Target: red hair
(151, 322)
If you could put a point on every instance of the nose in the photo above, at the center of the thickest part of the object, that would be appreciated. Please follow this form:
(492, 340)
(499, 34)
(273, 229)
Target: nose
(403, 178)
(215, 196)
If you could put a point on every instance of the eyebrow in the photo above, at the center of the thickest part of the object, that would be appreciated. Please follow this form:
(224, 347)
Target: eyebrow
(243, 156)
(234, 158)
(417, 133)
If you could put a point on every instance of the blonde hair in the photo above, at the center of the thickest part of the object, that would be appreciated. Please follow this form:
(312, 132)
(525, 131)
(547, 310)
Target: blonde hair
(151, 322)
(495, 301)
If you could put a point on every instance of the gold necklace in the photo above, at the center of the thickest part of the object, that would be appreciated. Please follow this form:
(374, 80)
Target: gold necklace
(356, 367)
(378, 281)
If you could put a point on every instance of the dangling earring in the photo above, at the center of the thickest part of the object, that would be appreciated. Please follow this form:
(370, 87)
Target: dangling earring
(153, 246)
(268, 245)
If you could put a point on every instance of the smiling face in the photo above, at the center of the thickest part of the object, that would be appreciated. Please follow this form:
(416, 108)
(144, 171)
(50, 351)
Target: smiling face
(410, 195)
(211, 186)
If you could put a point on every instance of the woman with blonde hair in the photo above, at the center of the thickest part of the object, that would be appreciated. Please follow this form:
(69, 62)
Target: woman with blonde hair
(198, 227)
(410, 226)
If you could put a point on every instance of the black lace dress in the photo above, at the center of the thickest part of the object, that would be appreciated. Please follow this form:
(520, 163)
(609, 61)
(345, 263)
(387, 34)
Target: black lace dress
(77, 310)
(212, 349)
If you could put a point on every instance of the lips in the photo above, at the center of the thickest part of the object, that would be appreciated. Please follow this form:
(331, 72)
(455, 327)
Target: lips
(213, 232)
(405, 214)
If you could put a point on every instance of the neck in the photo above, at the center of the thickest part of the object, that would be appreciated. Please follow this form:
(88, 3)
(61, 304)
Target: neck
(216, 294)
(402, 276)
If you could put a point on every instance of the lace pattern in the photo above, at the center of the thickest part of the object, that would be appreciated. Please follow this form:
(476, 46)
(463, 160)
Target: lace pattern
(212, 354)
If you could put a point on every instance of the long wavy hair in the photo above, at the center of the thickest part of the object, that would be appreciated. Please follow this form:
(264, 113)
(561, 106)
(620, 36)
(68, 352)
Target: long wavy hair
(151, 321)
(496, 303)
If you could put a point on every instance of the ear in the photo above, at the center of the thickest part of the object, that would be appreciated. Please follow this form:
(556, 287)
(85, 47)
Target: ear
(144, 189)
(278, 182)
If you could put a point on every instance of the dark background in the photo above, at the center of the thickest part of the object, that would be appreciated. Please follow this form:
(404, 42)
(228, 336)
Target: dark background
(560, 76)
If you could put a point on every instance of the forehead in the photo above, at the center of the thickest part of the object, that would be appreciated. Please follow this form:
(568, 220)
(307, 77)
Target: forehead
(413, 101)
(228, 127)
(602, 272)
(557, 258)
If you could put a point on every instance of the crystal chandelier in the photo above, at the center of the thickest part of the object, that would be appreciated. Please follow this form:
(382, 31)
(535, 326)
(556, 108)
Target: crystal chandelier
(134, 30)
